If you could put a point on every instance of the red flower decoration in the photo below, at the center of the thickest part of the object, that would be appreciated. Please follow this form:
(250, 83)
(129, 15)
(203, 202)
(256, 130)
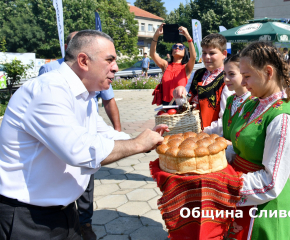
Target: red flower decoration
(278, 104)
(230, 105)
(229, 122)
(246, 115)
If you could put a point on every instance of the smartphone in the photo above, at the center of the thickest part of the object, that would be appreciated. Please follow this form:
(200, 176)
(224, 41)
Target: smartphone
(171, 33)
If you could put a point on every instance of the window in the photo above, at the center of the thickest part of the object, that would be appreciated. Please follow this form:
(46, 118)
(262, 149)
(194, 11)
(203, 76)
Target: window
(140, 52)
(142, 27)
(158, 26)
(150, 27)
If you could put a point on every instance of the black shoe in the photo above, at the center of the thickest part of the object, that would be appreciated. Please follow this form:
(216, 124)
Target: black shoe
(87, 232)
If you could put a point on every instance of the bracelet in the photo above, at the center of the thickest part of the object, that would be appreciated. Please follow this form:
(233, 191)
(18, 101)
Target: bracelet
(154, 40)
(190, 40)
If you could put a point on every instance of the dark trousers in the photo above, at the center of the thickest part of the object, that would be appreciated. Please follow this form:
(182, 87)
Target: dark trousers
(85, 203)
(27, 222)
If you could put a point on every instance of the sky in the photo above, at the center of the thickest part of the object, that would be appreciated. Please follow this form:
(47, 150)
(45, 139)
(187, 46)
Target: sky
(170, 5)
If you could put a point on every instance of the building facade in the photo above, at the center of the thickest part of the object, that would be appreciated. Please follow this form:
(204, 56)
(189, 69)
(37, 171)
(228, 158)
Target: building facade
(272, 9)
(148, 24)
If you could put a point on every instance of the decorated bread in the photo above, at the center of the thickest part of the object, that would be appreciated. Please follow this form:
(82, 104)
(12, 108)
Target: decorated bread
(191, 152)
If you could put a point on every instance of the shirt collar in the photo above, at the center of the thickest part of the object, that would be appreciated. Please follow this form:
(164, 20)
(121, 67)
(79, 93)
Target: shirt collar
(74, 82)
(216, 71)
(274, 97)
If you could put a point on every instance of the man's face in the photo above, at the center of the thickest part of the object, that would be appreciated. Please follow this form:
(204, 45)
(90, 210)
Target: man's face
(145, 55)
(102, 67)
(213, 58)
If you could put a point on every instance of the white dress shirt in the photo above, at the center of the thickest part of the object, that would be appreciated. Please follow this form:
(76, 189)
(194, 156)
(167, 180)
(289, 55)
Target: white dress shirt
(52, 139)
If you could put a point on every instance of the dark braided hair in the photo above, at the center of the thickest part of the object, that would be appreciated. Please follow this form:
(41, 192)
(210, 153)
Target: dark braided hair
(264, 53)
(233, 58)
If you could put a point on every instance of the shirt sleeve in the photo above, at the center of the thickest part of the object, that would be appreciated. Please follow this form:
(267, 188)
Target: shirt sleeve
(51, 118)
(217, 126)
(262, 186)
(42, 70)
(187, 87)
(107, 94)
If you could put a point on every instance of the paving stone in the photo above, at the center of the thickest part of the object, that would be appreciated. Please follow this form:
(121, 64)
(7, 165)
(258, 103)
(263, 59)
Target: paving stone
(97, 182)
(141, 194)
(112, 201)
(101, 174)
(150, 185)
(158, 191)
(133, 209)
(116, 237)
(112, 165)
(153, 202)
(122, 192)
(141, 166)
(100, 231)
(148, 159)
(104, 216)
(106, 189)
(138, 175)
(149, 180)
(128, 162)
(114, 179)
(152, 218)
(132, 184)
(136, 156)
(124, 225)
(149, 233)
(121, 170)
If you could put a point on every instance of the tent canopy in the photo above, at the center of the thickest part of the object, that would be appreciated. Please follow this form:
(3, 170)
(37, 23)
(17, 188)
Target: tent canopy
(259, 30)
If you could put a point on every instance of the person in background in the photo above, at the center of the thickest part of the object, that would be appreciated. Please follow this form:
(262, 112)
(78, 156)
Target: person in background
(145, 65)
(168, 58)
(285, 54)
(178, 70)
(52, 140)
(207, 86)
(85, 202)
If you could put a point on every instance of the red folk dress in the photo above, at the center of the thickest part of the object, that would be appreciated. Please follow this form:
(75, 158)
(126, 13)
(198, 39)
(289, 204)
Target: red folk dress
(174, 76)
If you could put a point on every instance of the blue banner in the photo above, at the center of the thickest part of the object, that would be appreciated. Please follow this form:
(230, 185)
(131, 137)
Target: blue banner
(98, 22)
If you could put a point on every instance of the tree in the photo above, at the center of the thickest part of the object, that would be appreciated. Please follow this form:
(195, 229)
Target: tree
(213, 13)
(153, 6)
(30, 25)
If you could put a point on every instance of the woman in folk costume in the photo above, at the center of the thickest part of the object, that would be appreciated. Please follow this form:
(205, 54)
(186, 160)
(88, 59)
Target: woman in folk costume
(261, 140)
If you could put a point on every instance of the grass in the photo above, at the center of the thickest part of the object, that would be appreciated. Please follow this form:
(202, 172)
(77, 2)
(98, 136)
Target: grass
(136, 83)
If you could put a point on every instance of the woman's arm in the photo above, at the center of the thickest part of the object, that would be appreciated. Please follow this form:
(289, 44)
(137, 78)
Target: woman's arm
(191, 62)
(156, 58)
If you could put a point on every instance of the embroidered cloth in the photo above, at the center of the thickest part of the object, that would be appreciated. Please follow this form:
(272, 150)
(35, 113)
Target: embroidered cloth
(210, 192)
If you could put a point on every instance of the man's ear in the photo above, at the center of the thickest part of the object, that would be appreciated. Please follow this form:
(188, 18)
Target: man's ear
(83, 60)
(65, 47)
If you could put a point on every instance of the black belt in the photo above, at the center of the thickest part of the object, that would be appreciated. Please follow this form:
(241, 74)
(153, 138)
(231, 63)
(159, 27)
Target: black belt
(16, 203)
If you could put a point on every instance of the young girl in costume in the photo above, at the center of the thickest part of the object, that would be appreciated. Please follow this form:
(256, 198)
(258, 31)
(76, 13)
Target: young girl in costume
(261, 140)
(233, 80)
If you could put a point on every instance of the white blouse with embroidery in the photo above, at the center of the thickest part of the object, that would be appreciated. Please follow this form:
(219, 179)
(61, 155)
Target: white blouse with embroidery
(238, 101)
(265, 185)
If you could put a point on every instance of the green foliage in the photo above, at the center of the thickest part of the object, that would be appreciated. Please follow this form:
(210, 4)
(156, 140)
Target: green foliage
(3, 108)
(212, 14)
(136, 83)
(153, 6)
(126, 63)
(30, 25)
(4, 99)
(14, 71)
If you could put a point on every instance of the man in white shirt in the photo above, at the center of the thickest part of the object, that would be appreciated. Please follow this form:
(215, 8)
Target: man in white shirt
(52, 139)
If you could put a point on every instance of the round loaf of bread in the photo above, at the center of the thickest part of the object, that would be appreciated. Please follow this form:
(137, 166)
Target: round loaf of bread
(191, 152)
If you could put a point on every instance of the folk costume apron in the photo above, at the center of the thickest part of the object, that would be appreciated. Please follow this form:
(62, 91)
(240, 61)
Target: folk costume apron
(209, 96)
(248, 140)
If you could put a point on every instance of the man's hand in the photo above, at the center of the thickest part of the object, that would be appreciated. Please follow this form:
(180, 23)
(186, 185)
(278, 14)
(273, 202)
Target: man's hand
(161, 128)
(148, 140)
(179, 92)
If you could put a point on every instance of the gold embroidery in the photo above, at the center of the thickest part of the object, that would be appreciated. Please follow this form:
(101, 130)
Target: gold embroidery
(212, 98)
(202, 90)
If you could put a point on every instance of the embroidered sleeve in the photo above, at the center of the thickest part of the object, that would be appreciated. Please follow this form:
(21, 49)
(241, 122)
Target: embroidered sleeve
(264, 185)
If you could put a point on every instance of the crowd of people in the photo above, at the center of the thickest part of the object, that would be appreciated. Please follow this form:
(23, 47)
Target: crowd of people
(52, 139)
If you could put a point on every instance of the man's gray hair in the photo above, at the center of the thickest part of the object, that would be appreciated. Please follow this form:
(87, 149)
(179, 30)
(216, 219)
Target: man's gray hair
(82, 40)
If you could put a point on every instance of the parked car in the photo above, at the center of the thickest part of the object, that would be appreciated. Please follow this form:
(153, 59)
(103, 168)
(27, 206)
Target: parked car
(136, 70)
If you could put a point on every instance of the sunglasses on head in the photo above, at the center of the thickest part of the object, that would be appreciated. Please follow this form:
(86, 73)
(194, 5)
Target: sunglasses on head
(180, 47)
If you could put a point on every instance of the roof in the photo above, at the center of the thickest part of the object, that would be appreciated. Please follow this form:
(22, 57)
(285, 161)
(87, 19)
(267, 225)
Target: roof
(142, 13)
